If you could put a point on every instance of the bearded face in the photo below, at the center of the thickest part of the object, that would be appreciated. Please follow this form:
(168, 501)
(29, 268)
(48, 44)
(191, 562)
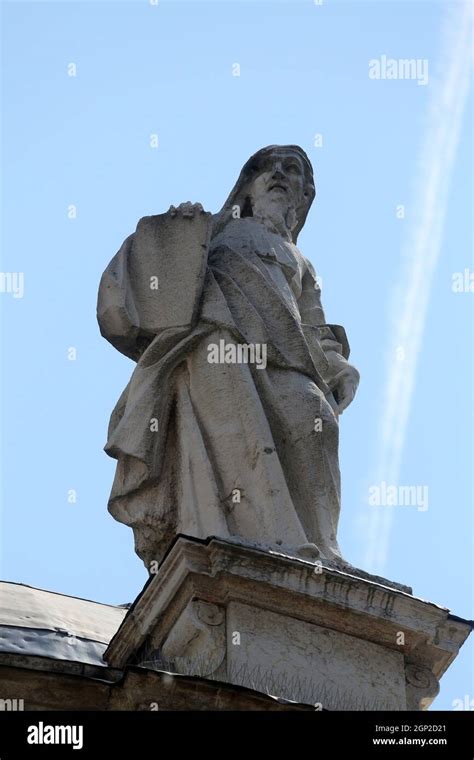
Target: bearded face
(278, 190)
(276, 186)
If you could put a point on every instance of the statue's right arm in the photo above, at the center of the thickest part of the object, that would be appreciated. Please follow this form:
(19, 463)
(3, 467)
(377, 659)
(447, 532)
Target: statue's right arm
(117, 314)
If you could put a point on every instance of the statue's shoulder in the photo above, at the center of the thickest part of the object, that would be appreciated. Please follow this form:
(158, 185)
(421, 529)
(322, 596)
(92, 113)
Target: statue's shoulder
(237, 234)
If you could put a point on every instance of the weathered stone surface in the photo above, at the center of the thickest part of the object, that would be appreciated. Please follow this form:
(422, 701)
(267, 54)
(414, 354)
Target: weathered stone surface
(230, 620)
(311, 663)
(136, 689)
(291, 630)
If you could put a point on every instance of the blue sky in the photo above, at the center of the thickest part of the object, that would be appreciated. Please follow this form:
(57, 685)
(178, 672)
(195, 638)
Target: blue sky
(167, 69)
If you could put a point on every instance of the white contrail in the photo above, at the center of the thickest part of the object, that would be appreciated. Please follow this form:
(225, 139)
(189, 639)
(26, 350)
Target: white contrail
(420, 255)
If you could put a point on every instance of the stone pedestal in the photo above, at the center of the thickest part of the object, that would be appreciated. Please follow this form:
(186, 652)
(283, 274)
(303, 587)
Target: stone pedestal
(288, 627)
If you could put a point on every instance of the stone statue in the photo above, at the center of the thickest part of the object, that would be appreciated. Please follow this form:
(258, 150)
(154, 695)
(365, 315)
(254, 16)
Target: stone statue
(229, 424)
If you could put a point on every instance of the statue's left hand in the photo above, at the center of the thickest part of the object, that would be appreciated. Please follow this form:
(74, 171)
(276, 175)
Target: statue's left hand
(344, 386)
(186, 210)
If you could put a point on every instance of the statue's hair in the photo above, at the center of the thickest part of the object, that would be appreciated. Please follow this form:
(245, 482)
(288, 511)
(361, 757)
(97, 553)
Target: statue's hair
(239, 195)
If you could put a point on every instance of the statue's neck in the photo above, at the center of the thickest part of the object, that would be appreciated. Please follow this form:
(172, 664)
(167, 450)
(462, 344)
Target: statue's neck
(275, 223)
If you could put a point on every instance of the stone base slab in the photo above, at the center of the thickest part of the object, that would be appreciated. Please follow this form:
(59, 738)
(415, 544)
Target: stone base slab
(288, 627)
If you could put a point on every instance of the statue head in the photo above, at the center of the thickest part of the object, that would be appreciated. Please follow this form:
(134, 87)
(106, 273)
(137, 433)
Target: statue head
(277, 181)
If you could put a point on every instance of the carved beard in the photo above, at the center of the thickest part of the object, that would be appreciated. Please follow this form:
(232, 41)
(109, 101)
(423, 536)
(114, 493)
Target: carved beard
(274, 215)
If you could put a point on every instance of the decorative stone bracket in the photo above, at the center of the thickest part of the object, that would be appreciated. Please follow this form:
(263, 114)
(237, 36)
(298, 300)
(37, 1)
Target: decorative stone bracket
(196, 643)
(422, 686)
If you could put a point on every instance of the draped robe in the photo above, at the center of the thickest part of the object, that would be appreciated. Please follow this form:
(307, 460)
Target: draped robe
(237, 450)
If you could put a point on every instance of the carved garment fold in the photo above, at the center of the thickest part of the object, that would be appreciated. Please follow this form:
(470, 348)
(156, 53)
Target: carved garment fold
(237, 449)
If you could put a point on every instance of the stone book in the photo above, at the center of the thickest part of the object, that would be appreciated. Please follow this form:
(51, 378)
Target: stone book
(167, 267)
